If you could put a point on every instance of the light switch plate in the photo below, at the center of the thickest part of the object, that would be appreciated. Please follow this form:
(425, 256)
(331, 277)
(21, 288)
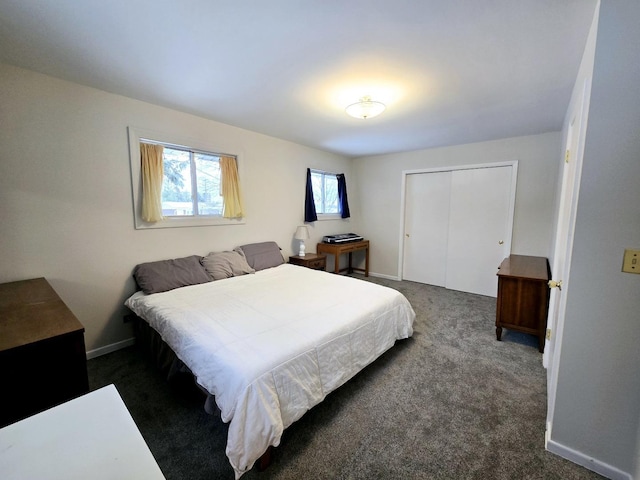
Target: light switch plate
(631, 263)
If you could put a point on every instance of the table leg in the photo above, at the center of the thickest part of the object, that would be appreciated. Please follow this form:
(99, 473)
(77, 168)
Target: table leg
(366, 262)
(336, 263)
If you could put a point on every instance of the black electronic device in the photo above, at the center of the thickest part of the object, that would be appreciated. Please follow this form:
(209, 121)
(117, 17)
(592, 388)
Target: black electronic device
(342, 238)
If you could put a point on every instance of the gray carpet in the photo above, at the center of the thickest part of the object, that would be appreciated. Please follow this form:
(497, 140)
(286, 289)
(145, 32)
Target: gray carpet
(449, 403)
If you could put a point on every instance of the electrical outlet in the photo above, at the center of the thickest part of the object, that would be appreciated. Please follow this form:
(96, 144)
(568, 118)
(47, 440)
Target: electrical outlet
(631, 263)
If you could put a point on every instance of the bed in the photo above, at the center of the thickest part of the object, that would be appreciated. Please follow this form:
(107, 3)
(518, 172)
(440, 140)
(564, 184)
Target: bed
(268, 340)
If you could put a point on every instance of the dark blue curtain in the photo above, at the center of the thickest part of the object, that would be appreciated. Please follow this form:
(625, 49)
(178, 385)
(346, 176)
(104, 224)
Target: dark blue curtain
(342, 196)
(309, 205)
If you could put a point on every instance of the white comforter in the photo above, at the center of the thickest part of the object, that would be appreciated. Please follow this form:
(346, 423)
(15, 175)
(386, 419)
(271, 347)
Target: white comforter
(272, 345)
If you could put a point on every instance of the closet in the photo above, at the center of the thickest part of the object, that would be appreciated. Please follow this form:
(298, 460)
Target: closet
(457, 226)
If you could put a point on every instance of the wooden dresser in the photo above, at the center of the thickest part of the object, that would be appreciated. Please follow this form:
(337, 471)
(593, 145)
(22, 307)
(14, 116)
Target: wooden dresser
(523, 296)
(42, 353)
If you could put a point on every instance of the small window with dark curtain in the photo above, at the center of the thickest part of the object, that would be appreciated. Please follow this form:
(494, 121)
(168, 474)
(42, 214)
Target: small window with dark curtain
(325, 192)
(329, 194)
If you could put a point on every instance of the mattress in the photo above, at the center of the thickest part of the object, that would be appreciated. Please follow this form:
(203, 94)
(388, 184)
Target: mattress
(271, 345)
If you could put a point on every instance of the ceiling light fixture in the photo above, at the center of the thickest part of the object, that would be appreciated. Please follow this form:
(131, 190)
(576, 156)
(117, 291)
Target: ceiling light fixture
(365, 108)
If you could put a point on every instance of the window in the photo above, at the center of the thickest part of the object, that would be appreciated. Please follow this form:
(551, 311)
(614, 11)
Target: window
(195, 175)
(191, 185)
(325, 192)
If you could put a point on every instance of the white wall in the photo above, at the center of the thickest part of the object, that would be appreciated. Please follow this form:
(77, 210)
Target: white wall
(597, 409)
(379, 183)
(637, 474)
(65, 194)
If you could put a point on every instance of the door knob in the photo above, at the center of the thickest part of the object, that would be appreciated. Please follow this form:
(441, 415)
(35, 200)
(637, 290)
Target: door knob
(500, 242)
(555, 284)
(407, 235)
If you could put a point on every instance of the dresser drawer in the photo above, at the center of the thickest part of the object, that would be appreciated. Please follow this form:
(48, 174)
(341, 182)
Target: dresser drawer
(318, 264)
(311, 260)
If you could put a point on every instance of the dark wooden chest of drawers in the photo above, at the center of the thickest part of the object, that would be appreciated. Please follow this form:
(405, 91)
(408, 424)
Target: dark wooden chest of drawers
(523, 296)
(42, 352)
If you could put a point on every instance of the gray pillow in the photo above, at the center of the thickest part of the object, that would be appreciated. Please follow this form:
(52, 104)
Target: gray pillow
(262, 255)
(164, 275)
(226, 264)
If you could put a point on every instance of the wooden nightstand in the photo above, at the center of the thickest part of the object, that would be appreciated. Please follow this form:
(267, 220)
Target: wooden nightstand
(310, 260)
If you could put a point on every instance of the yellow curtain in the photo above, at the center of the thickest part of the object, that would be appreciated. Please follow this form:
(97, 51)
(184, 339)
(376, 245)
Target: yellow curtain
(152, 173)
(230, 188)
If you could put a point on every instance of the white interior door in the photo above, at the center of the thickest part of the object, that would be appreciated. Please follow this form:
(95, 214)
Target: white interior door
(563, 246)
(559, 264)
(479, 228)
(426, 227)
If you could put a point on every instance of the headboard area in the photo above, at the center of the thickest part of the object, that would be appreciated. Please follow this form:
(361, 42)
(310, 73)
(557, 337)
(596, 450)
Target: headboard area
(165, 275)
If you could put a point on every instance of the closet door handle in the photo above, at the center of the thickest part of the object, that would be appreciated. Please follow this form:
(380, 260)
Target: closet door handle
(501, 242)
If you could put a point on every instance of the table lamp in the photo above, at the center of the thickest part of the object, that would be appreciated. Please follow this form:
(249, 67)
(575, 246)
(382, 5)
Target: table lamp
(302, 234)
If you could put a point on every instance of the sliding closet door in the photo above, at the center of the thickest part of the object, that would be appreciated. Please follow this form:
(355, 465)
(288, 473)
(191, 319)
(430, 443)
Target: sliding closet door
(480, 220)
(426, 227)
(457, 227)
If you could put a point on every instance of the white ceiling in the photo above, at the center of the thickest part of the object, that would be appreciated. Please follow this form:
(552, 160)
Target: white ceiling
(449, 71)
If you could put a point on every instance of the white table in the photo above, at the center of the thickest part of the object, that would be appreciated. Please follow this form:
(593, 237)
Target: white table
(92, 436)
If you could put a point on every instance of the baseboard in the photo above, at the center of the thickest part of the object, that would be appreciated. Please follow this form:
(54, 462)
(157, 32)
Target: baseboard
(590, 463)
(110, 348)
(380, 275)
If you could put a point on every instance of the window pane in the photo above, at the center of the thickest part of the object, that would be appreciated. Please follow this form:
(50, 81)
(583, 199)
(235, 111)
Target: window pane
(331, 194)
(325, 192)
(208, 178)
(176, 185)
(318, 195)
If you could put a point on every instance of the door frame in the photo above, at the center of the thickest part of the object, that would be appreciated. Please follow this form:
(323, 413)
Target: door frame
(403, 191)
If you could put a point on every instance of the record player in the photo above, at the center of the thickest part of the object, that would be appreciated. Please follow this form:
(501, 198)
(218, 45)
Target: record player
(342, 238)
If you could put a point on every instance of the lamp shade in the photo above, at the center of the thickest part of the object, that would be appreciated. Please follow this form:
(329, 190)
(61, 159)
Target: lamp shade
(302, 233)
(365, 108)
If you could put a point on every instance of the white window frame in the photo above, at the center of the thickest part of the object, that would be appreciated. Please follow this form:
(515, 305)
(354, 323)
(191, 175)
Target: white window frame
(135, 136)
(327, 216)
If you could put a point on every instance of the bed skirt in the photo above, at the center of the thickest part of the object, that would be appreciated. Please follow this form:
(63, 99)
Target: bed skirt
(164, 358)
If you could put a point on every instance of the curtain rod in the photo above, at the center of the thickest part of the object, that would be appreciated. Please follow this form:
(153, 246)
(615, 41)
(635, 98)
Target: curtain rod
(185, 147)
